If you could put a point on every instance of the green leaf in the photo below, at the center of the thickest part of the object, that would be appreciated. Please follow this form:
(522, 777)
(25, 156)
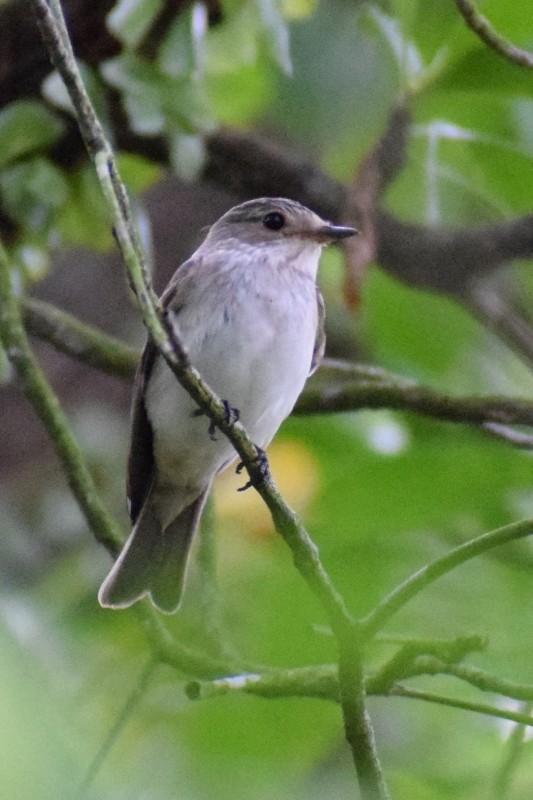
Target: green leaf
(484, 71)
(31, 190)
(275, 33)
(232, 43)
(130, 19)
(84, 220)
(138, 173)
(26, 127)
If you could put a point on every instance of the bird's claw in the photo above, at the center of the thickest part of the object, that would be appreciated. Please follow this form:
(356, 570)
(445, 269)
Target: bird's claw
(232, 415)
(260, 464)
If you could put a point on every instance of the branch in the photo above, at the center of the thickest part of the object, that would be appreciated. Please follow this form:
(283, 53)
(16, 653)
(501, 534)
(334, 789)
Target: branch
(481, 679)
(380, 615)
(162, 329)
(337, 386)
(358, 386)
(163, 332)
(78, 340)
(479, 708)
(482, 28)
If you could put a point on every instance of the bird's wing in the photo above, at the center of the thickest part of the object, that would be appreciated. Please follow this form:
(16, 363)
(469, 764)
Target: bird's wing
(141, 464)
(141, 455)
(320, 339)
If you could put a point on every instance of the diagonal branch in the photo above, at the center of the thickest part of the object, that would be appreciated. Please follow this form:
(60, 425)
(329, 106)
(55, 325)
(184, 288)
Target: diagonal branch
(305, 554)
(396, 600)
(482, 28)
(338, 386)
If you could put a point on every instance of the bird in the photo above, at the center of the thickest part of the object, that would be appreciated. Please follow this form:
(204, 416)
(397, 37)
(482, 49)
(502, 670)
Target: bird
(251, 318)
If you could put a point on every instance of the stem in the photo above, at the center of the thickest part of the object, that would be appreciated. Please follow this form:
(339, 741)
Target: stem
(358, 728)
(479, 708)
(129, 707)
(86, 344)
(391, 604)
(482, 28)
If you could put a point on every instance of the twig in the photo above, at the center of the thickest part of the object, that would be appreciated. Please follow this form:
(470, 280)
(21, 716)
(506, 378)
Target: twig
(436, 569)
(481, 679)
(338, 386)
(128, 709)
(397, 393)
(518, 439)
(479, 708)
(78, 340)
(482, 28)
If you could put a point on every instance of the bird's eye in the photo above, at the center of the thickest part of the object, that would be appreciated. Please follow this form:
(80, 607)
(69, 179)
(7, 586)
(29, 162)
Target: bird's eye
(274, 221)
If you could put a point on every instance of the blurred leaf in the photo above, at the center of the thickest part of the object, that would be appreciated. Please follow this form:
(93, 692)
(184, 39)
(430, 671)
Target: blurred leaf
(130, 20)
(274, 33)
(187, 155)
(138, 173)
(232, 42)
(84, 221)
(181, 52)
(482, 70)
(26, 126)
(31, 190)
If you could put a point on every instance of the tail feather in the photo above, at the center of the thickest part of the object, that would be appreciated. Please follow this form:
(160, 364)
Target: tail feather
(153, 561)
(167, 585)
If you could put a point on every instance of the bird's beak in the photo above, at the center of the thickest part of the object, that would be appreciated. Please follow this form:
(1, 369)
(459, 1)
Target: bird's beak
(331, 233)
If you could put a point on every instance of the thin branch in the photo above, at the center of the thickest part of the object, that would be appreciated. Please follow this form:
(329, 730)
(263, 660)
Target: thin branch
(396, 600)
(518, 439)
(78, 340)
(481, 679)
(125, 714)
(395, 392)
(482, 28)
(338, 386)
(166, 337)
(105, 530)
(46, 405)
(163, 331)
(479, 708)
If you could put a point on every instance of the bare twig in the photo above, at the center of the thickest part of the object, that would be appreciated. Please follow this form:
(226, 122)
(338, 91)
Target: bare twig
(436, 569)
(78, 340)
(482, 28)
(479, 708)
(337, 386)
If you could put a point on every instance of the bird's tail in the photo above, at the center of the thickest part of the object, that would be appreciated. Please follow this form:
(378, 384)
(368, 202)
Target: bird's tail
(153, 561)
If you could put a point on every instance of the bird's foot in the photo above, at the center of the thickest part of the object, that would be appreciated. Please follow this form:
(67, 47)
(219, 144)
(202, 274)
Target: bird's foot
(232, 415)
(260, 464)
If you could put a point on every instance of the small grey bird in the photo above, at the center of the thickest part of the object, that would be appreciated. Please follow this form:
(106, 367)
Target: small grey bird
(252, 320)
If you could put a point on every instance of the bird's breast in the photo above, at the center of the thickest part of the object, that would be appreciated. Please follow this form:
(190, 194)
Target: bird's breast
(252, 342)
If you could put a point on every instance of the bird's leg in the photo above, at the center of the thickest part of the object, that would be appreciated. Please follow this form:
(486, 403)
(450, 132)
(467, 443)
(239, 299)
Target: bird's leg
(232, 415)
(261, 463)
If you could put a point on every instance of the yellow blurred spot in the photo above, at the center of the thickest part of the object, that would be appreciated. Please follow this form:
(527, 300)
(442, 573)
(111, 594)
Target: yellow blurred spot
(295, 471)
(298, 9)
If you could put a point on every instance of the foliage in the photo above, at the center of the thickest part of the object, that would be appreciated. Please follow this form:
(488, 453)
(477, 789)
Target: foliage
(382, 493)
